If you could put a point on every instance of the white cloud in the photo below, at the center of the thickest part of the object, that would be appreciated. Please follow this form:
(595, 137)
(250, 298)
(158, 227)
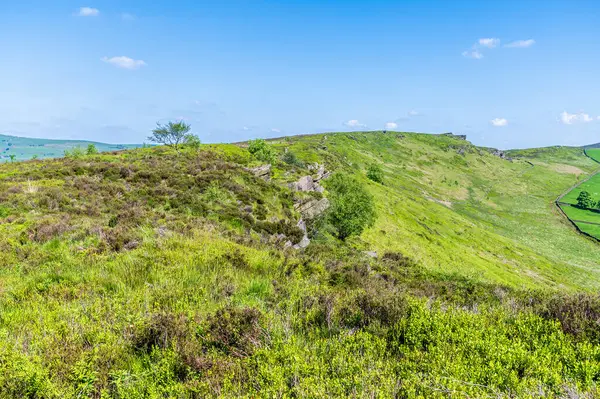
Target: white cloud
(124, 62)
(489, 42)
(521, 43)
(391, 125)
(569, 119)
(88, 12)
(246, 128)
(499, 122)
(354, 123)
(276, 130)
(475, 54)
(413, 113)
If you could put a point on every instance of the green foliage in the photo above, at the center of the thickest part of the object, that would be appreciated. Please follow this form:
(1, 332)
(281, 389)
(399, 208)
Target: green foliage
(192, 141)
(75, 153)
(291, 159)
(148, 273)
(352, 206)
(375, 173)
(91, 149)
(261, 150)
(585, 200)
(173, 134)
(12, 157)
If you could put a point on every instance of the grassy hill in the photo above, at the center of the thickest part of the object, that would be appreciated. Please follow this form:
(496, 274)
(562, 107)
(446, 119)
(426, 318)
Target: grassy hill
(151, 273)
(24, 148)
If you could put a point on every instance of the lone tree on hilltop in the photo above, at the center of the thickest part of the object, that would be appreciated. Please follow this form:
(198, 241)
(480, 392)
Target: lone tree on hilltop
(173, 134)
(585, 200)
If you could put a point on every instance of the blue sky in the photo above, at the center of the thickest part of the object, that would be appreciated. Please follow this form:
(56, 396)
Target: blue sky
(506, 73)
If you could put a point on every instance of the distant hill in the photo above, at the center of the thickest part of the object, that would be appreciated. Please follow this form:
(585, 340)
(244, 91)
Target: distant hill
(597, 145)
(26, 148)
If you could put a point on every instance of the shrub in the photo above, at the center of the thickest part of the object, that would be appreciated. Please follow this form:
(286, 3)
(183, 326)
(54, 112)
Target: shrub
(375, 173)
(352, 207)
(91, 150)
(261, 150)
(291, 159)
(192, 141)
(234, 331)
(75, 153)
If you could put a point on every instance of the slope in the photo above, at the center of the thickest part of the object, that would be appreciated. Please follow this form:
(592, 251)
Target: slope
(150, 274)
(459, 208)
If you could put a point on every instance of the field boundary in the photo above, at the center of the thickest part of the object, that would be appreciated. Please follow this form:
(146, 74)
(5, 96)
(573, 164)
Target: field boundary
(558, 201)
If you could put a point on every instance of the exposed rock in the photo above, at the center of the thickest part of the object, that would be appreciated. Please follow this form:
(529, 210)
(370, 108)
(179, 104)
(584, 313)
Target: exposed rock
(264, 172)
(302, 225)
(501, 154)
(287, 244)
(305, 242)
(312, 208)
(305, 183)
(456, 136)
(371, 254)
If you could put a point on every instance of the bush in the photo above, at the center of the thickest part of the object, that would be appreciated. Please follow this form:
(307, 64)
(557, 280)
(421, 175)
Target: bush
(75, 153)
(352, 207)
(291, 159)
(91, 150)
(234, 331)
(375, 173)
(261, 150)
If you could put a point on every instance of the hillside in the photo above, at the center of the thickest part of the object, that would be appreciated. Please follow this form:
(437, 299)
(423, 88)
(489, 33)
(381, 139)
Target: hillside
(152, 273)
(24, 148)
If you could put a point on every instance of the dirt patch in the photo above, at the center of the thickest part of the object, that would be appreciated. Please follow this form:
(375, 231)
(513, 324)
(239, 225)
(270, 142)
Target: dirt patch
(568, 169)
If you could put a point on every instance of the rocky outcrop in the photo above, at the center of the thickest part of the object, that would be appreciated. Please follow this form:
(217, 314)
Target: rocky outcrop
(501, 154)
(310, 183)
(263, 171)
(312, 208)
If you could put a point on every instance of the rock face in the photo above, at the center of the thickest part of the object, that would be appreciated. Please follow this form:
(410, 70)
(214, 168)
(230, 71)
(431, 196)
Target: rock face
(310, 183)
(264, 172)
(312, 208)
(501, 154)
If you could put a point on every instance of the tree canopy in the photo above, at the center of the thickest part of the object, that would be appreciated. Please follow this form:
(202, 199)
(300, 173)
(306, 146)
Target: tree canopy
(352, 206)
(173, 134)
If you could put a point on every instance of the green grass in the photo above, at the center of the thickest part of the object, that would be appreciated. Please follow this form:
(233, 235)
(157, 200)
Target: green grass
(474, 214)
(151, 274)
(594, 153)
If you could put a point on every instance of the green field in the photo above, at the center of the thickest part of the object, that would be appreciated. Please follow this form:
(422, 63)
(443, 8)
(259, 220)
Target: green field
(151, 273)
(594, 153)
(593, 187)
(27, 148)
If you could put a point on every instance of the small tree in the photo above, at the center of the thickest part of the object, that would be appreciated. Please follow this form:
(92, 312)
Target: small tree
(261, 150)
(12, 157)
(172, 134)
(291, 159)
(375, 173)
(91, 149)
(352, 207)
(585, 201)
